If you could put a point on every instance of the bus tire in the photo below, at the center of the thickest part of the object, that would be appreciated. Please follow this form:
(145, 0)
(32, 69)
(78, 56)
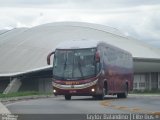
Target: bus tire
(119, 95)
(67, 97)
(94, 97)
(101, 96)
(125, 94)
(122, 95)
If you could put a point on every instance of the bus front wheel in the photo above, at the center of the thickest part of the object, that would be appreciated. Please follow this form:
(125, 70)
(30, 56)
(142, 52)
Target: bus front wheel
(67, 97)
(101, 96)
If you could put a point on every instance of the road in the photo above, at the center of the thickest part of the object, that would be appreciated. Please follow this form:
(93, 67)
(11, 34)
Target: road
(86, 105)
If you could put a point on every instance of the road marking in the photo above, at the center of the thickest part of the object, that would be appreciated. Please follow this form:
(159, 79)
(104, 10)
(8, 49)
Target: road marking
(108, 103)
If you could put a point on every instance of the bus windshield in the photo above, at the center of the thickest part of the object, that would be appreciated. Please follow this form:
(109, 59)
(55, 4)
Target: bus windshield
(74, 64)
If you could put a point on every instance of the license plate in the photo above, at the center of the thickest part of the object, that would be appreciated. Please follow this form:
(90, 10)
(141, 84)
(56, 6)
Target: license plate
(72, 91)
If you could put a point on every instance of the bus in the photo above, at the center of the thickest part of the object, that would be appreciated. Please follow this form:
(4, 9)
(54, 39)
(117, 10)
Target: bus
(91, 68)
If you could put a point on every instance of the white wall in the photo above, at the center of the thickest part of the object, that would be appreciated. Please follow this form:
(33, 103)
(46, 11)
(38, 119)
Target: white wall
(146, 81)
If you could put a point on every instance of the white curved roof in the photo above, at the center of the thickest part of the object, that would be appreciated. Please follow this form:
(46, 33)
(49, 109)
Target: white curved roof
(2, 31)
(24, 49)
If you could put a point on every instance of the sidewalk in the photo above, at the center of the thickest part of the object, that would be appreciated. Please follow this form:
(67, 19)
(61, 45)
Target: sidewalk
(3, 109)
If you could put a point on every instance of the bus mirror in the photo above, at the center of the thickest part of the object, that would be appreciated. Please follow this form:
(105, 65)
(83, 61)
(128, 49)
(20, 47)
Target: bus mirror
(97, 57)
(48, 57)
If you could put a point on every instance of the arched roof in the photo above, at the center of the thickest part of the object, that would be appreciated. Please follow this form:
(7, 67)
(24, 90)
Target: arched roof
(2, 31)
(24, 49)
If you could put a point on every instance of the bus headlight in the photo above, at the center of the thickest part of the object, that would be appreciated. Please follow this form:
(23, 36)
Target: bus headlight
(93, 90)
(54, 91)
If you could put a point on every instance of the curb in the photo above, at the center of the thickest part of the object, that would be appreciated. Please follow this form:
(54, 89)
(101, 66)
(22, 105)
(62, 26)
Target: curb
(3, 109)
(14, 99)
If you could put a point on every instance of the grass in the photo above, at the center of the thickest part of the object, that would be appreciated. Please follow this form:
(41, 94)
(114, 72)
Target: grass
(154, 91)
(19, 94)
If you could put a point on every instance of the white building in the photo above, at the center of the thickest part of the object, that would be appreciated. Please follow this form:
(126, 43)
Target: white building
(24, 50)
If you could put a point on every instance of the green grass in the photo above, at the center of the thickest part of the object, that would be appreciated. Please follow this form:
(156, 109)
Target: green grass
(19, 94)
(154, 91)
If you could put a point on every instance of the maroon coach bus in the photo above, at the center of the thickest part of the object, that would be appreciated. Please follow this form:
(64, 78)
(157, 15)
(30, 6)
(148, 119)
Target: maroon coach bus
(91, 68)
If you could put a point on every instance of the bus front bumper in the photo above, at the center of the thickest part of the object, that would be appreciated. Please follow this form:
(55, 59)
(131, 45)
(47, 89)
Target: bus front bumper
(89, 91)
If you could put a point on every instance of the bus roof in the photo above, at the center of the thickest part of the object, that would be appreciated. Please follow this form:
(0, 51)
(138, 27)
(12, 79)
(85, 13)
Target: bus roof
(78, 44)
(82, 44)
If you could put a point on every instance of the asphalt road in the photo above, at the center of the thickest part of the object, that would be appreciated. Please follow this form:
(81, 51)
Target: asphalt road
(134, 104)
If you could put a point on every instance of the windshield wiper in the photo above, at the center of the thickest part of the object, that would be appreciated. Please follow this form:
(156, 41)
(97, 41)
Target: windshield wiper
(80, 67)
(65, 64)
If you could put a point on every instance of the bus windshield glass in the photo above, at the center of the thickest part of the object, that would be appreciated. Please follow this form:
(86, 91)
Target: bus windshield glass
(74, 64)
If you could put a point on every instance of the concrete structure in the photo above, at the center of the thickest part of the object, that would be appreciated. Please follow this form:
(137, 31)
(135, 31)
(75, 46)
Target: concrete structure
(23, 53)
(13, 86)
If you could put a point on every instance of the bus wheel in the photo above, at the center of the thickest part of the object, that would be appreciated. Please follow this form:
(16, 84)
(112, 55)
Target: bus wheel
(67, 97)
(94, 97)
(119, 95)
(125, 94)
(101, 96)
(122, 95)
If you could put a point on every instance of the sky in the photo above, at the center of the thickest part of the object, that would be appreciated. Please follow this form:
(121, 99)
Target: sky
(136, 18)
